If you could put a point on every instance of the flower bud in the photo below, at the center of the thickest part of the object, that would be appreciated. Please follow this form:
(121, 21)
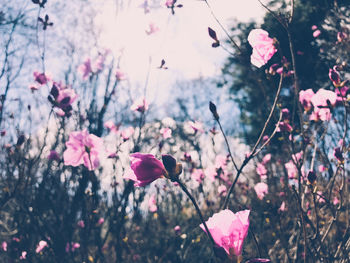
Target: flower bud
(212, 108)
(311, 177)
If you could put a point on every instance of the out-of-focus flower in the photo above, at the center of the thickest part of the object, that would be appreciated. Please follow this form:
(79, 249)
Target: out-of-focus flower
(338, 154)
(314, 27)
(320, 197)
(282, 207)
(85, 69)
(177, 229)
(120, 75)
(4, 246)
(152, 204)
(263, 47)
(222, 190)
(111, 126)
(145, 168)
(127, 133)
(198, 175)
(152, 28)
(81, 224)
(166, 133)
(316, 33)
(334, 76)
(42, 244)
(23, 255)
(322, 168)
(196, 126)
(53, 156)
(140, 105)
(284, 126)
(101, 221)
(341, 36)
(75, 246)
(261, 190)
(322, 100)
(229, 230)
(62, 97)
(292, 170)
(261, 170)
(41, 78)
(336, 201)
(83, 148)
(266, 158)
(305, 97)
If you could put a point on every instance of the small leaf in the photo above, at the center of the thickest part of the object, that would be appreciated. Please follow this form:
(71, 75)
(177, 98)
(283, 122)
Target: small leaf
(215, 44)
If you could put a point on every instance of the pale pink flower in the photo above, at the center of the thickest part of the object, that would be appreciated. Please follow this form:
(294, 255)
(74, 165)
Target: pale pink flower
(111, 126)
(316, 33)
(127, 133)
(336, 201)
(229, 230)
(85, 69)
(314, 27)
(152, 204)
(261, 170)
(42, 244)
(222, 190)
(305, 97)
(292, 170)
(120, 75)
(23, 255)
(297, 157)
(263, 47)
(83, 148)
(261, 190)
(321, 100)
(101, 221)
(266, 158)
(282, 207)
(140, 105)
(198, 175)
(177, 229)
(221, 161)
(145, 168)
(81, 224)
(166, 133)
(4, 246)
(152, 28)
(320, 197)
(196, 126)
(169, 3)
(322, 168)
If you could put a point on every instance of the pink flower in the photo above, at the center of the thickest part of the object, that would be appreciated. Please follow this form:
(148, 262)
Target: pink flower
(322, 100)
(111, 126)
(322, 168)
(166, 133)
(336, 201)
(334, 76)
(292, 170)
(316, 33)
(196, 126)
(41, 78)
(222, 190)
(83, 148)
(261, 170)
(282, 207)
(140, 105)
(314, 27)
(85, 69)
(169, 3)
(263, 47)
(229, 230)
(53, 156)
(42, 244)
(152, 204)
(198, 175)
(261, 189)
(4, 246)
(81, 224)
(152, 28)
(267, 158)
(305, 97)
(120, 75)
(75, 246)
(101, 221)
(98, 64)
(23, 255)
(177, 229)
(127, 133)
(145, 169)
(62, 98)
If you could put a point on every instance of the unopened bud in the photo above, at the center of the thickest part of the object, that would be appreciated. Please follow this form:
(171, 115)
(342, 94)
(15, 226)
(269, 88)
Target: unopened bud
(173, 169)
(212, 108)
(311, 177)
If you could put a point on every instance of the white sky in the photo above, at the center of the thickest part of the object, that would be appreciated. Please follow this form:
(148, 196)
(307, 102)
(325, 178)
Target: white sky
(182, 40)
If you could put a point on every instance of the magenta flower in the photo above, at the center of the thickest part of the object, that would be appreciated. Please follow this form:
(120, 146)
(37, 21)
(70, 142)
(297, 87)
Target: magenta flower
(111, 126)
(81, 224)
(83, 148)
(41, 78)
(145, 168)
(53, 156)
(229, 230)
(101, 221)
(263, 47)
(42, 244)
(261, 190)
(177, 229)
(61, 98)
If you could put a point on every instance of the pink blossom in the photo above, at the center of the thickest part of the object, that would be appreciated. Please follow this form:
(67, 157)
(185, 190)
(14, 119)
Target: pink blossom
(4, 246)
(316, 33)
(127, 133)
(320, 197)
(85, 69)
(23, 255)
(198, 175)
(34, 87)
(152, 204)
(263, 47)
(222, 190)
(41, 78)
(341, 36)
(284, 126)
(221, 161)
(196, 126)
(336, 201)
(261, 190)
(292, 170)
(42, 244)
(321, 101)
(145, 168)
(99, 63)
(152, 28)
(322, 168)
(305, 97)
(81, 224)
(334, 76)
(267, 158)
(261, 170)
(229, 230)
(53, 156)
(62, 98)
(314, 27)
(75, 246)
(101, 221)
(111, 126)
(169, 3)
(282, 207)
(166, 133)
(140, 105)
(297, 157)
(177, 229)
(83, 148)
(120, 75)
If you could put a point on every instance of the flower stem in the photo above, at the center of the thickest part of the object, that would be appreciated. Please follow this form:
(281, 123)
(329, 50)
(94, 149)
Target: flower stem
(184, 188)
